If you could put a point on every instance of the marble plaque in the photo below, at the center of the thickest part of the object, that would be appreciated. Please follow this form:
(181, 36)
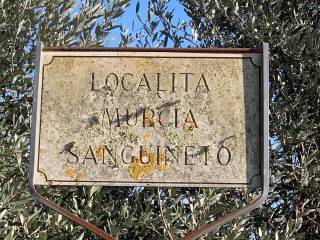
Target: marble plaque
(138, 118)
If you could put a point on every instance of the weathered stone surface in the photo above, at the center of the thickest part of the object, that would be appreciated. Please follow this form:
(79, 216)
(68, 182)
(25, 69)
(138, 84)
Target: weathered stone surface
(165, 119)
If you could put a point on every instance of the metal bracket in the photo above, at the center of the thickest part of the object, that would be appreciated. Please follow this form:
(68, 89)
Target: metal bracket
(68, 214)
(203, 230)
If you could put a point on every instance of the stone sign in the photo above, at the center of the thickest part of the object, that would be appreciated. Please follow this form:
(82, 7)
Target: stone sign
(147, 118)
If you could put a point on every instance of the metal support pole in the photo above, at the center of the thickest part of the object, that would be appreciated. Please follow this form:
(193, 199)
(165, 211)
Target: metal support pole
(265, 143)
(32, 188)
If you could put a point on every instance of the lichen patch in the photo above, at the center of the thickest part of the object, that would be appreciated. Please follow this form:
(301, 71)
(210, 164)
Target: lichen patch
(138, 169)
(76, 175)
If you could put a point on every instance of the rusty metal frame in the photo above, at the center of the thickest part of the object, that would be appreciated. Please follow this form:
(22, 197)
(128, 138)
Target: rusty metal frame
(32, 188)
(265, 165)
(216, 223)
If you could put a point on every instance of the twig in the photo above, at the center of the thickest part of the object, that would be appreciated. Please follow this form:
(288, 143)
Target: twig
(162, 216)
(154, 229)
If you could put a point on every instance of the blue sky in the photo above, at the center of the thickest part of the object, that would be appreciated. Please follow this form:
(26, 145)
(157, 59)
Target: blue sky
(130, 17)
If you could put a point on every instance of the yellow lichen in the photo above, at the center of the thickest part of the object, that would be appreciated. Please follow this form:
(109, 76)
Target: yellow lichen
(189, 128)
(146, 138)
(75, 175)
(190, 123)
(80, 176)
(149, 121)
(70, 173)
(100, 151)
(137, 169)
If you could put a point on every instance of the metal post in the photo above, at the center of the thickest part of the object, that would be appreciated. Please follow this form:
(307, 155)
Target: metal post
(32, 188)
(256, 203)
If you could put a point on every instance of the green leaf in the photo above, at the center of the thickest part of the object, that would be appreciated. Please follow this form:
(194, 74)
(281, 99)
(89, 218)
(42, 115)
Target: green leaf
(43, 236)
(32, 218)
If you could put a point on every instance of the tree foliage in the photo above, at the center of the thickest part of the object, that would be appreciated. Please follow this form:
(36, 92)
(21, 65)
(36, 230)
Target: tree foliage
(291, 27)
